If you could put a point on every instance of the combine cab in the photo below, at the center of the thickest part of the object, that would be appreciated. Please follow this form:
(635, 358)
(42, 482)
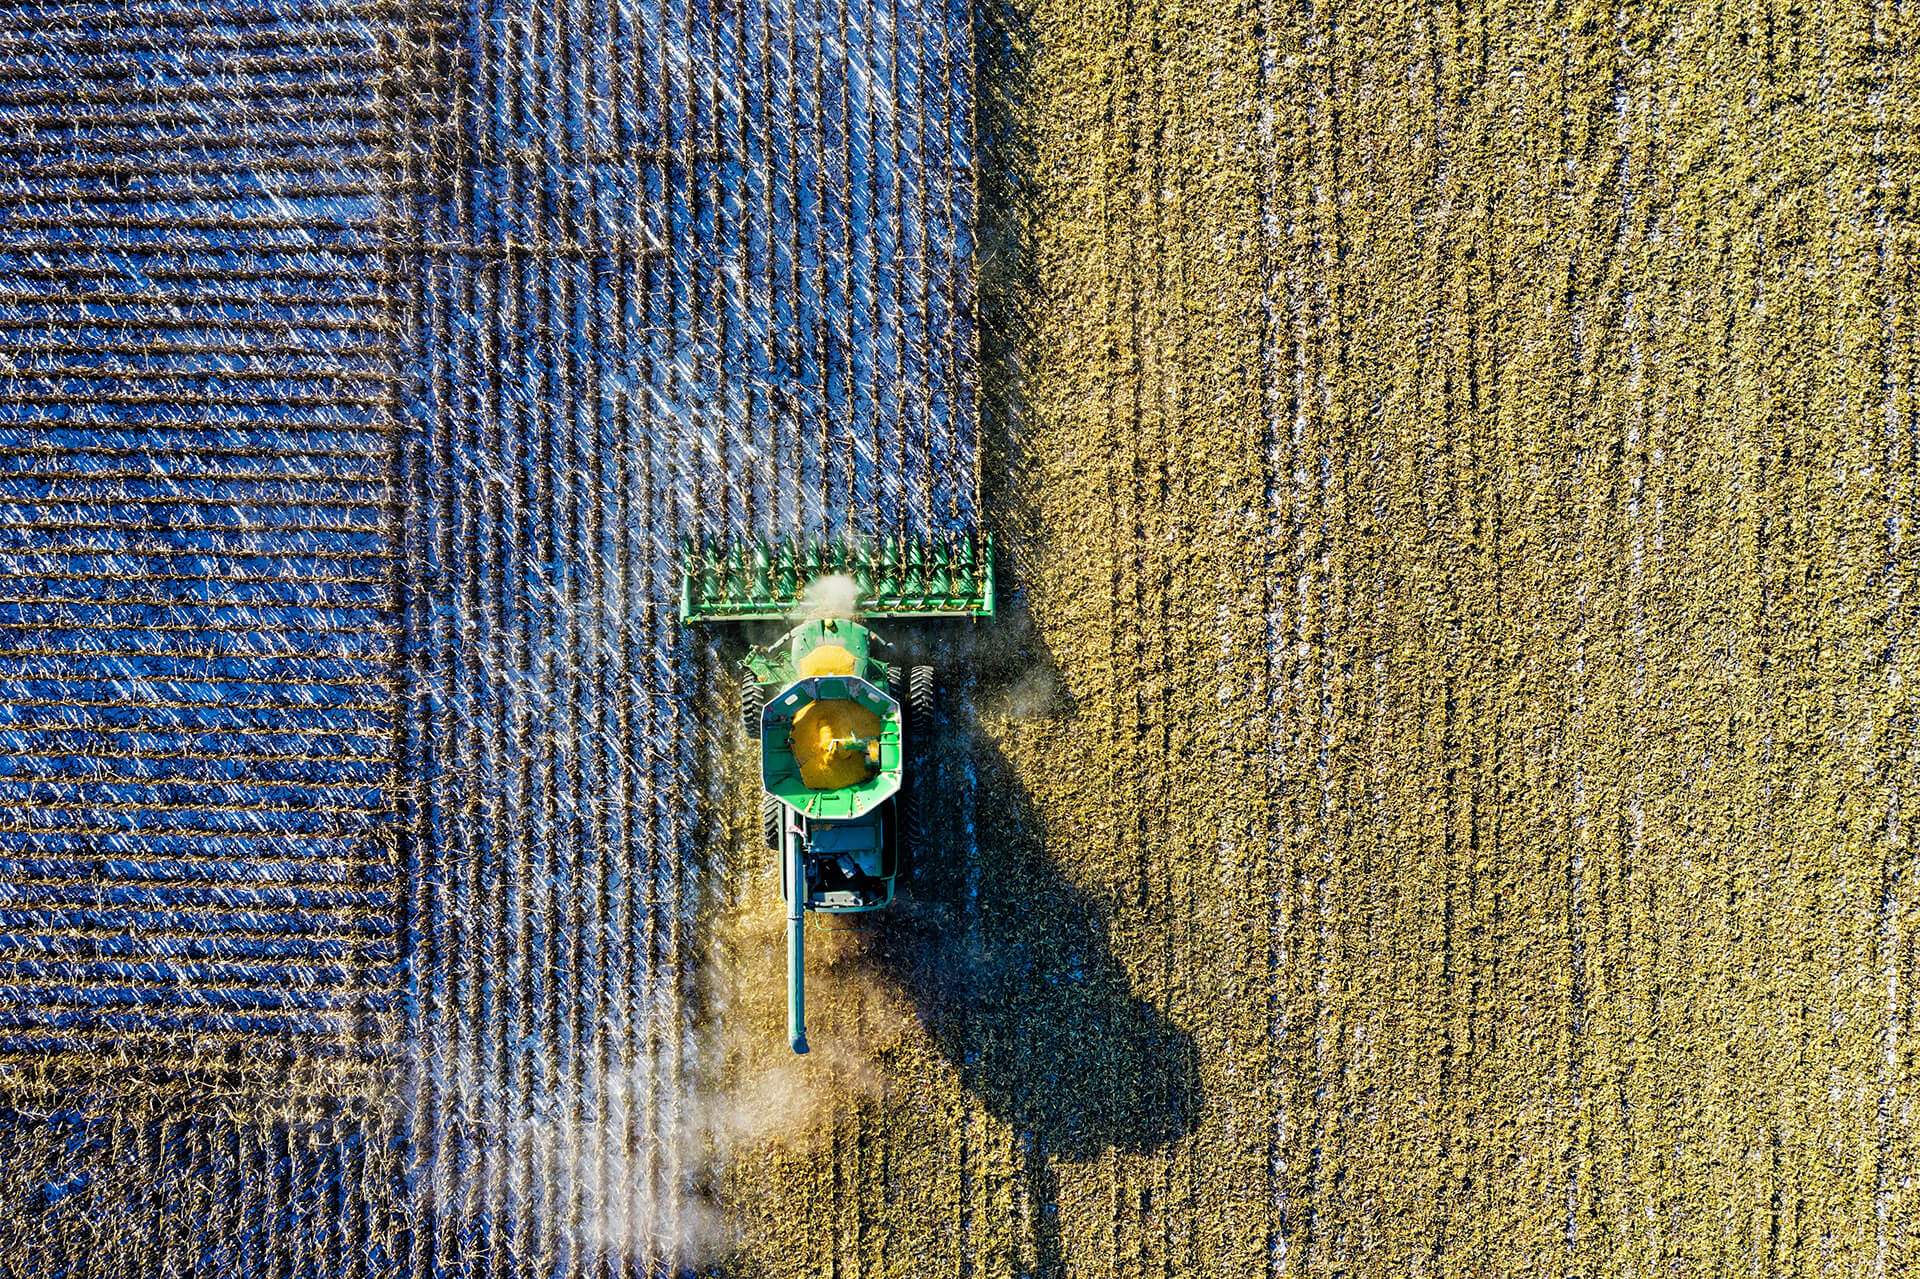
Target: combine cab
(831, 717)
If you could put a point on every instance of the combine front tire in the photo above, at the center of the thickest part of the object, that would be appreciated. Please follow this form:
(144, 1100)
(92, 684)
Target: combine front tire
(752, 701)
(912, 813)
(920, 695)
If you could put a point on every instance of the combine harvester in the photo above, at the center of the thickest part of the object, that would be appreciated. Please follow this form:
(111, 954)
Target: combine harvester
(832, 716)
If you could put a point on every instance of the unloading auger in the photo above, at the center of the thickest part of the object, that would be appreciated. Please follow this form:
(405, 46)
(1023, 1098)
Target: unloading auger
(831, 714)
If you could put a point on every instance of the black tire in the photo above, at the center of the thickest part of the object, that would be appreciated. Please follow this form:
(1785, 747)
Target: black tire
(910, 833)
(899, 848)
(771, 819)
(892, 856)
(913, 816)
(922, 694)
(753, 700)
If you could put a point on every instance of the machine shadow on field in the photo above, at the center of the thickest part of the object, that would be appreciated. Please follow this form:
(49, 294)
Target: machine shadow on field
(1015, 981)
(1007, 961)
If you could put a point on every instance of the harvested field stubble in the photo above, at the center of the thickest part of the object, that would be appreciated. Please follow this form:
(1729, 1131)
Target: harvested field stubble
(1459, 466)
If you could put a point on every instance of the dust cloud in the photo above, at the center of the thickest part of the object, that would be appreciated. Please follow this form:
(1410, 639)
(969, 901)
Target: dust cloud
(629, 1159)
(626, 1160)
(834, 595)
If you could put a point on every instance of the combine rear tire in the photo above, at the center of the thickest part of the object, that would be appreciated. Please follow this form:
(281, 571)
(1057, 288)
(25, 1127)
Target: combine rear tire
(910, 821)
(752, 700)
(770, 821)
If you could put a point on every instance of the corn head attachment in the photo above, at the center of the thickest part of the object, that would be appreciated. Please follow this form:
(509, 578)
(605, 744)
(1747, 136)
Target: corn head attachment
(893, 577)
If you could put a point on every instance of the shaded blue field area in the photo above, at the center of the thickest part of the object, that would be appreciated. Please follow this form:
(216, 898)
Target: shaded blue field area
(362, 369)
(199, 534)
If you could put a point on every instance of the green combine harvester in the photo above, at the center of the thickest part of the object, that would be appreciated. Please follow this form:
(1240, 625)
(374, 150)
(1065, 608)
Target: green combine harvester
(831, 714)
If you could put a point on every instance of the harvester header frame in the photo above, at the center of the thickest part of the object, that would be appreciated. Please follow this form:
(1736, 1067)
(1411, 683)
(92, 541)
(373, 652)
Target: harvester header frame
(761, 580)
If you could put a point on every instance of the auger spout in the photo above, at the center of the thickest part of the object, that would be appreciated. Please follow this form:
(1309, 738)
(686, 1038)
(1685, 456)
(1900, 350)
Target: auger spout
(796, 947)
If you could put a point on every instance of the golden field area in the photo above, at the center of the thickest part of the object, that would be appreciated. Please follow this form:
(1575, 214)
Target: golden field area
(1440, 797)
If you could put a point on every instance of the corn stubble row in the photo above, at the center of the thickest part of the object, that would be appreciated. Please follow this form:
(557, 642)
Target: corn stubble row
(1462, 473)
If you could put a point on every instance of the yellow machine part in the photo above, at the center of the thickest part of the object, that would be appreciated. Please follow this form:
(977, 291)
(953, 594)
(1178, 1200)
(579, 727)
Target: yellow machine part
(827, 659)
(824, 766)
